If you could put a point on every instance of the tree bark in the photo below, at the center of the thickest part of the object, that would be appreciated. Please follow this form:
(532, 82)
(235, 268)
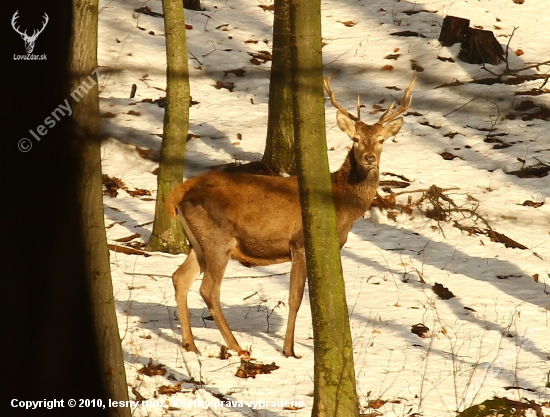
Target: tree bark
(86, 131)
(167, 235)
(279, 150)
(334, 374)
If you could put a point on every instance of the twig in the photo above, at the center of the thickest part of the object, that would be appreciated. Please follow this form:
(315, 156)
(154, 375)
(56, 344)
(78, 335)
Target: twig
(531, 66)
(148, 275)
(194, 57)
(507, 46)
(258, 276)
(251, 295)
(425, 190)
(465, 104)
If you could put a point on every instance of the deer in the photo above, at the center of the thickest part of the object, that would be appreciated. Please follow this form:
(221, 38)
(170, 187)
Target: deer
(29, 40)
(256, 219)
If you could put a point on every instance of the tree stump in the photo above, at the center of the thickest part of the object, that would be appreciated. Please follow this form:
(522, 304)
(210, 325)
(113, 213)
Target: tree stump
(453, 30)
(192, 4)
(480, 46)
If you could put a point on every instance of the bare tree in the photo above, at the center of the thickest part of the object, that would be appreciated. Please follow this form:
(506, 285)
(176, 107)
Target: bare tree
(167, 235)
(279, 152)
(334, 373)
(86, 131)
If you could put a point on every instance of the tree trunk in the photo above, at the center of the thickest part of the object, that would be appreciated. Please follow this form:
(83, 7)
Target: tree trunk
(49, 344)
(85, 117)
(334, 374)
(279, 150)
(167, 233)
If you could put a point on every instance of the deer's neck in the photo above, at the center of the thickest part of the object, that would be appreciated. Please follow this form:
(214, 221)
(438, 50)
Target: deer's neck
(354, 188)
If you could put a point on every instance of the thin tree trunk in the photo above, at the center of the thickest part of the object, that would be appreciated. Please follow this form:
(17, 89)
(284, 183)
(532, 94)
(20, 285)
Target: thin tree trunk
(167, 233)
(279, 150)
(85, 117)
(334, 374)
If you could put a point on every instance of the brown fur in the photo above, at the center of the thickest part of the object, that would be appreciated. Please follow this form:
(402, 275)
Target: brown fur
(257, 220)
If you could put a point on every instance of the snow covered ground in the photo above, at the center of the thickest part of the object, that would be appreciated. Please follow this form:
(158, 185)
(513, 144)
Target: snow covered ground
(493, 335)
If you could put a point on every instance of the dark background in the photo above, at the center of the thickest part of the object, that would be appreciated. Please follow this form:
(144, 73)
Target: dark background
(47, 335)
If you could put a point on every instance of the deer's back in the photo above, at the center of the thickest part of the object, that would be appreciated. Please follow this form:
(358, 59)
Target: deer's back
(262, 213)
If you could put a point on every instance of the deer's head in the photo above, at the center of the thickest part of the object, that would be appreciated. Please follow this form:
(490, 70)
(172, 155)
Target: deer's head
(368, 139)
(29, 40)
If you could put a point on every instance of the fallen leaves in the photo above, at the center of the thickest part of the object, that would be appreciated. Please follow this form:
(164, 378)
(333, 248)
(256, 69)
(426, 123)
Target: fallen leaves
(265, 8)
(408, 33)
(147, 10)
(227, 85)
(348, 23)
(442, 292)
(448, 156)
(153, 369)
(260, 57)
(249, 369)
(392, 56)
(170, 389)
(238, 72)
(420, 330)
(113, 184)
(533, 204)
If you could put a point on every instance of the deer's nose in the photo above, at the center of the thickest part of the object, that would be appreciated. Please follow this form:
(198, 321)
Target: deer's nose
(370, 158)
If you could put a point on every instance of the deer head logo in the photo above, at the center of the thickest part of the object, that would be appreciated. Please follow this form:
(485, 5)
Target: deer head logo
(29, 40)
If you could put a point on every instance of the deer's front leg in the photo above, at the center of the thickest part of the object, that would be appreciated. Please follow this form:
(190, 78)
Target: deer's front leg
(298, 273)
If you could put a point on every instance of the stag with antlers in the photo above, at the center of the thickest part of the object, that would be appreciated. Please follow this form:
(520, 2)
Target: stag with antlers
(257, 219)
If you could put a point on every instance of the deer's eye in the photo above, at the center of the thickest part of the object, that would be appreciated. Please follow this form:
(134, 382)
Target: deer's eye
(355, 139)
(381, 141)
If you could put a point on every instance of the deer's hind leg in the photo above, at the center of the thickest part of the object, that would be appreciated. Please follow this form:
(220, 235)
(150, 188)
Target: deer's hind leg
(183, 278)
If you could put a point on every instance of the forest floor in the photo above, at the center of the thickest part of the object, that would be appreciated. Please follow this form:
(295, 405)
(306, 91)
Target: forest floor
(447, 286)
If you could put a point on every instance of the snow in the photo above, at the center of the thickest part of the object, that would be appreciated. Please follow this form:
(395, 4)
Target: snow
(493, 334)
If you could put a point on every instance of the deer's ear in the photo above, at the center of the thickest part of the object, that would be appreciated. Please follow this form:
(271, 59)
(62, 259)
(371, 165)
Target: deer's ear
(346, 124)
(392, 128)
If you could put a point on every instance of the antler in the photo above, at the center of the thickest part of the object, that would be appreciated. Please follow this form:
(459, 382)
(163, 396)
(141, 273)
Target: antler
(38, 32)
(13, 19)
(405, 104)
(326, 82)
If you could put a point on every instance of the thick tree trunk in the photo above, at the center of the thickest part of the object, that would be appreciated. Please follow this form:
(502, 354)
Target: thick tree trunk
(167, 233)
(85, 116)
(334, 374)
(49, 344)
(279, 150)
